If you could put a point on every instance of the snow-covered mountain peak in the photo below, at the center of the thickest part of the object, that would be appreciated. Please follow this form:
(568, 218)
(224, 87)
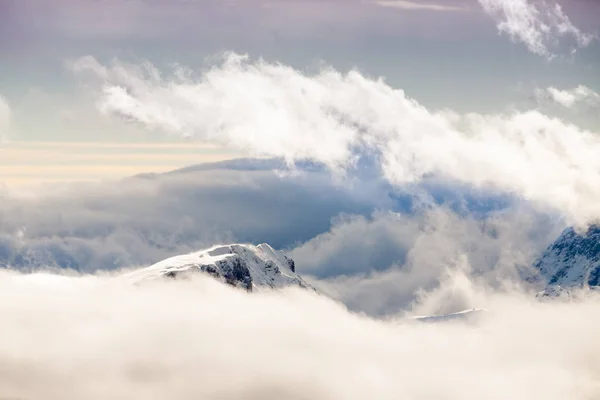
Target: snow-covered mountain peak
(573, 260)
(241, 265)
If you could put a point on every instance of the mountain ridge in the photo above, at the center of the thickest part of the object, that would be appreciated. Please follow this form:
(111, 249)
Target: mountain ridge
(245, 266)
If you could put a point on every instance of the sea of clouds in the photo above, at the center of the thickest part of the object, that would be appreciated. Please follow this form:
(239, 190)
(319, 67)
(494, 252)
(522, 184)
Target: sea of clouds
(99, 337)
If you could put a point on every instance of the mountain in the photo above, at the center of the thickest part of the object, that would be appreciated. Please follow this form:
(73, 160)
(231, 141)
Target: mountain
(573, 260)
(553, 292)
(242, 164)
(241, 265)
(461, 315)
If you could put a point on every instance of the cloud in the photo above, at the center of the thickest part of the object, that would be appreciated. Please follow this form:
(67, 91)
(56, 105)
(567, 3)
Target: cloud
(106, 225)
(379, 265)
(200, 339)
(569, 98)
(343, 233)
(5, 115)
(356, 244)
(140, 221)
(273, 110)
(537, 25)
(412, 5)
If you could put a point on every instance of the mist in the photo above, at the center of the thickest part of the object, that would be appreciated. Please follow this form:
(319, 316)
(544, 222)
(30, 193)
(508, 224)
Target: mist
(98, 337)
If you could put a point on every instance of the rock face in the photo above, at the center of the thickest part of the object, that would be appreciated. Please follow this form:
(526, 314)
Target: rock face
(240, 265)
(573, 260)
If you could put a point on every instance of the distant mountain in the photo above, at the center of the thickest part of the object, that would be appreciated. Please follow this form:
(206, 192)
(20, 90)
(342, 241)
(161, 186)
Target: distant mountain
(573, 260)
(242, 164)
(240, 265)
(461, 316)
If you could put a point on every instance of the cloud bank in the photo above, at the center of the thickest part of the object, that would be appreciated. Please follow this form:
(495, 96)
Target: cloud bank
(539, 26)
(97, 338)
(346, 236)
(273, 110)
(140, 221)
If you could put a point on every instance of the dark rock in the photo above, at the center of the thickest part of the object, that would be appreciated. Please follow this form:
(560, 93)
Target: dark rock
(291, 263)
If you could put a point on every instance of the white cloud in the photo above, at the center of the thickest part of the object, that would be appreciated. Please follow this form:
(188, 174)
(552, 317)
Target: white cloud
(537, 25)
(274, 110)
(94, 338)
(383, 262)
(569, 98)
(5, 115)
(413, 5)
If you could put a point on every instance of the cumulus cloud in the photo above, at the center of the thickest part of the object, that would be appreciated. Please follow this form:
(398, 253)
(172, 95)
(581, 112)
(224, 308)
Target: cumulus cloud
(201, 339)
(569, 98)
(539, 26)
(4, 118)
(273, 110)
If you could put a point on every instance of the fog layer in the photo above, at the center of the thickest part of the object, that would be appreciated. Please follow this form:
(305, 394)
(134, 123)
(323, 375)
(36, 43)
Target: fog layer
(97, 338)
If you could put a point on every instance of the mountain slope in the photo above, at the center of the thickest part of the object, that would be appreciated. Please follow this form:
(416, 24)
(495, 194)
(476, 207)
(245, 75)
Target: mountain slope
(573, 260)
(241, 265)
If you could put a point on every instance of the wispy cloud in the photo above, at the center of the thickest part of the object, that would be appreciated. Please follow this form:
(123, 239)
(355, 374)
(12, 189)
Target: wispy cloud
(581, 95)
(539, 26)
(414, 5)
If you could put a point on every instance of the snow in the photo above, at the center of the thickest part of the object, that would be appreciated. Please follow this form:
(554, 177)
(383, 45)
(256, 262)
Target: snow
(453, 316)
(241, 265)
(573, 260)
(553, 292)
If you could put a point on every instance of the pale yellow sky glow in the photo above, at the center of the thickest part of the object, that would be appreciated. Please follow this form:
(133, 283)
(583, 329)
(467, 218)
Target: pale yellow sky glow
(23, 163)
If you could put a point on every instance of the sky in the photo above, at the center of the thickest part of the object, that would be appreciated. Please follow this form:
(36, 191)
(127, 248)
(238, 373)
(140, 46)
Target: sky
(455, 55)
